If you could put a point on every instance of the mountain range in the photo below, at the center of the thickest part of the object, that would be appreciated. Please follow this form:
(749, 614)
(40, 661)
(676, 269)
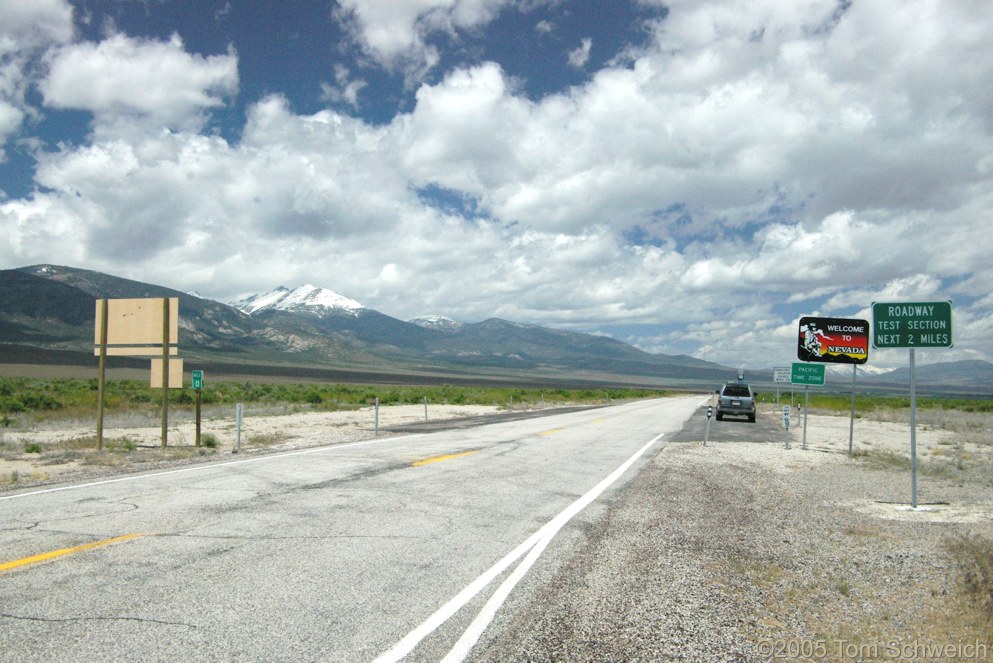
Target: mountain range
(47, 315)
(52, 307)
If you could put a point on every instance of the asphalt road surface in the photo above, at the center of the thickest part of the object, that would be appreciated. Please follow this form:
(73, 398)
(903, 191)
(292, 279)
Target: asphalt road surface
(399, 548)
(732, 429)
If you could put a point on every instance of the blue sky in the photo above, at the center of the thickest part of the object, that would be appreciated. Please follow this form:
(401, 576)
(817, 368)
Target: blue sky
(690, 177)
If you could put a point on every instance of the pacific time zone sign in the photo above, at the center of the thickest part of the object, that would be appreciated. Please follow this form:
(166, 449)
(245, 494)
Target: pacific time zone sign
(912, 325)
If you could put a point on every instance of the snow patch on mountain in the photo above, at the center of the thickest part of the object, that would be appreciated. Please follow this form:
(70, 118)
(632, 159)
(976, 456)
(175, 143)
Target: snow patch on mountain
(304, 299)
(842, 371)
(437, 322)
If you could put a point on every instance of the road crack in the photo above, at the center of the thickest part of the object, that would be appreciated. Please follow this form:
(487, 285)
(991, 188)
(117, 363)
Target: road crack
(70, 620)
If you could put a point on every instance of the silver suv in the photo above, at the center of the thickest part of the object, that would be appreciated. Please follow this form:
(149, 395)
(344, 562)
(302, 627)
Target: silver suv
(737, 400)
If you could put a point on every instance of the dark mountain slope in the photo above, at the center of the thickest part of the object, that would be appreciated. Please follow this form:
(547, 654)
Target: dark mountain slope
(52, 306)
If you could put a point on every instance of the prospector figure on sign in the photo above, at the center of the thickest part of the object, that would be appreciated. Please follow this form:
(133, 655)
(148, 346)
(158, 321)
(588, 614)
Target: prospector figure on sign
(811, 343)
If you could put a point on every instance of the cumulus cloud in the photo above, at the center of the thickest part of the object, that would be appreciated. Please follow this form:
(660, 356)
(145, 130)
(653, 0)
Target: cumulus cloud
(807, 158)
(396, 34)
(36, 24)
(153, 83)
(753, 161)
(26, 30)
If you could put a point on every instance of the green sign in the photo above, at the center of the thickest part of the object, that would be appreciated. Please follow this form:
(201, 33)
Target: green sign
(808, 374)
(912, 325)
(198, 379)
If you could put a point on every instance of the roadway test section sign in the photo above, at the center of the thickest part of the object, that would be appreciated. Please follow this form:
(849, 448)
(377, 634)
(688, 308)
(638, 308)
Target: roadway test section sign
(912, 325)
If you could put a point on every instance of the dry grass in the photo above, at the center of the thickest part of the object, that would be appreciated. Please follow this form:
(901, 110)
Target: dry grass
(267, 439)
(850, 619)
(965, 457)
(79, 452)
(973, 557)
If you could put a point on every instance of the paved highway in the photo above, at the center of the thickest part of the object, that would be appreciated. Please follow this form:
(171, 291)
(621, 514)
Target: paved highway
(398, 548)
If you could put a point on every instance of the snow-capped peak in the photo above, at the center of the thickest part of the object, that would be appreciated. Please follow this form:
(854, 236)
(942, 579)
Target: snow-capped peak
(438, 322)
(304, 299)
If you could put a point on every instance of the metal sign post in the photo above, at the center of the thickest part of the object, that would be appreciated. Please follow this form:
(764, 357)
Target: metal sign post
(706, 432)
(197, 387)
(239, 411)
(786, 424)
(835, 340)
(851, 420)
(913, 433)
(912, 325)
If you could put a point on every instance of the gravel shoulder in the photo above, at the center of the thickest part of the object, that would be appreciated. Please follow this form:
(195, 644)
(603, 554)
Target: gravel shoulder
(747, 551)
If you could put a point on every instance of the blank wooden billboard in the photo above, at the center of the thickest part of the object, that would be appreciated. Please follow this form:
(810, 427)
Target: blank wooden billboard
(134, 326)
(175, 374)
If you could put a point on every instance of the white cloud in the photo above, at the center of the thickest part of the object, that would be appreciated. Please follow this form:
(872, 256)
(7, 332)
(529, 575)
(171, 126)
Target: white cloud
(759, 160)
(465, 132)
(26, 29)
(544, 27)
(124, 81)
(345, 90)
(395, 34)
(10, 121)
(580, 56)
(36, 24)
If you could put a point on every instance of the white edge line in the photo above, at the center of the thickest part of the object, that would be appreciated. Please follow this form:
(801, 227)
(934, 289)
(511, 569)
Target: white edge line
(486, 615)
(536, 543)
(207, 466)
(442, 614)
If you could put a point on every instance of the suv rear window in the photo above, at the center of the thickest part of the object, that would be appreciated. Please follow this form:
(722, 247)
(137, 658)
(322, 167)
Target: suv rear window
(737, 390)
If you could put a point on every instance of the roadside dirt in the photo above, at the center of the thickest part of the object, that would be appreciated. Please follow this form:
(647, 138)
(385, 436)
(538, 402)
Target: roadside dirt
(53, 451)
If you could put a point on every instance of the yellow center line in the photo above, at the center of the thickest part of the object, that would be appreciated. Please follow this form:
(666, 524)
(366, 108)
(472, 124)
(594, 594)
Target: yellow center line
(554, 431)
(6, 566)
(438, 459)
